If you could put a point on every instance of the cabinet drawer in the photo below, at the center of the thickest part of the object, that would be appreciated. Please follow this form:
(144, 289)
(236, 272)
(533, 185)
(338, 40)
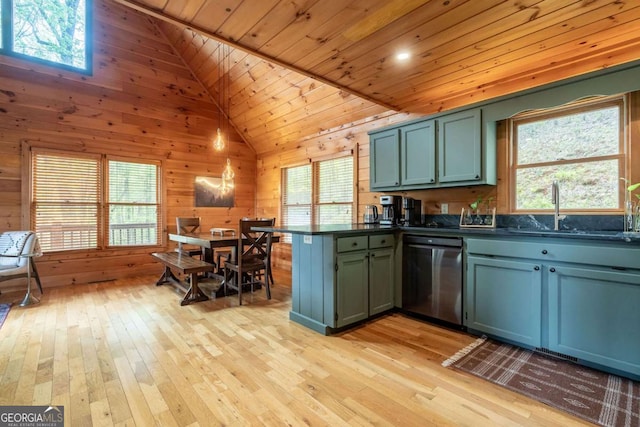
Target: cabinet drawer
(583, 252)
(380, 241)
(353, 243)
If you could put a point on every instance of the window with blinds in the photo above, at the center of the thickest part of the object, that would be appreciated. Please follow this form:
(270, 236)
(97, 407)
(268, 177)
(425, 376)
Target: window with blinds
(333, 182)
(133, 210)
(65, 200)
(318, 193)
(296, 196)
(68, 210)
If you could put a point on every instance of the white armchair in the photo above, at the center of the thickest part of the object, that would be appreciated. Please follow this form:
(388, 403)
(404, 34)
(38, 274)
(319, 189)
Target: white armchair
(17, 250)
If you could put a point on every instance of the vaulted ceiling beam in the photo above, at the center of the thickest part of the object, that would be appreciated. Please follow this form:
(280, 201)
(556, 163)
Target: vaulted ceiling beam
(184, 24)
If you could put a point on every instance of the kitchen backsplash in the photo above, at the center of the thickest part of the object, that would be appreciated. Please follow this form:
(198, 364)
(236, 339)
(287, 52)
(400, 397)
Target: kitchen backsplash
(539, 222)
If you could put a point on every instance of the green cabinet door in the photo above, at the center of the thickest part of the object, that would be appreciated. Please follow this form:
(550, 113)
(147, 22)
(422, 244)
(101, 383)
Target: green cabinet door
(418, 154)
(594, 315)
(504, 299)
(352, 287)
(384, 159)
(381, 280)
(460, 147)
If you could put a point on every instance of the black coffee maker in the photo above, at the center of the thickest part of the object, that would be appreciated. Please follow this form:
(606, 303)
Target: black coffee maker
(391, 210)
(412, 211)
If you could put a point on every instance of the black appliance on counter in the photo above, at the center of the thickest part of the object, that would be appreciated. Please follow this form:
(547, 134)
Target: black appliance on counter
(412, 211)
(432, 278)
(391, 210)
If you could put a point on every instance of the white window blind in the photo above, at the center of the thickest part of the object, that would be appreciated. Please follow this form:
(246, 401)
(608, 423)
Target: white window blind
(133, 204)
(319, 193)
(334, 191)
(68, 211)
(66, 200)
(296, 196)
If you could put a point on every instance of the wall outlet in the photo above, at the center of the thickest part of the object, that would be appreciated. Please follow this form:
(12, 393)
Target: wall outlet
(444, 208)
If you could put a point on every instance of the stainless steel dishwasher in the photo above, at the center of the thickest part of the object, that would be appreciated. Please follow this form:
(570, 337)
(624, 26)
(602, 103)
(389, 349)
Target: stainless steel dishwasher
(432, 278)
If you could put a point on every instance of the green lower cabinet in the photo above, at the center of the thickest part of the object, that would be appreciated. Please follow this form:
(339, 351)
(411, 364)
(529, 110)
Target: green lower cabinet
(504, 299)
(364, 285)
(381, 279)
(352, 288)
(594, 315)
(338, 281)
(579, 299)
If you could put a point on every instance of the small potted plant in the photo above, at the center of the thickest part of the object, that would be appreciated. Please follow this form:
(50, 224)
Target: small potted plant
(475, 208)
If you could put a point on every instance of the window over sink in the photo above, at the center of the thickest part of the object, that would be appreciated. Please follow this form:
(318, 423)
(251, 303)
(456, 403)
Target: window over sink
(581, 145)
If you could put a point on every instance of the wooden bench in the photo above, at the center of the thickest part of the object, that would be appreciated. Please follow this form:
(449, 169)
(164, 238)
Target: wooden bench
(186, 265)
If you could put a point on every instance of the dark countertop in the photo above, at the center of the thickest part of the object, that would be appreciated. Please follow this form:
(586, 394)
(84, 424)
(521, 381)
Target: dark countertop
(330, 229)
(602, 235)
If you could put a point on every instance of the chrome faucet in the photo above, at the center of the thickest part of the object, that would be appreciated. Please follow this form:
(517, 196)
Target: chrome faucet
(555, 199)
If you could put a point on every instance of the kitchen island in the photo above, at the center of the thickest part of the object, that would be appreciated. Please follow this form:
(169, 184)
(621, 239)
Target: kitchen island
(341, 274)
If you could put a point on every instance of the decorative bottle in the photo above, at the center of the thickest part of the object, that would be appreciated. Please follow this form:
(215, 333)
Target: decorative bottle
(628, 215)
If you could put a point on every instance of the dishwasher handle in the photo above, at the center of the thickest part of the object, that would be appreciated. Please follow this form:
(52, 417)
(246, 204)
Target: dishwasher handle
(411, 239)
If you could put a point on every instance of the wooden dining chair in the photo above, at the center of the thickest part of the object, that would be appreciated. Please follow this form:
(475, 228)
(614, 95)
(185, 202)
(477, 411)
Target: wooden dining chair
(188, 225)
(251, 262)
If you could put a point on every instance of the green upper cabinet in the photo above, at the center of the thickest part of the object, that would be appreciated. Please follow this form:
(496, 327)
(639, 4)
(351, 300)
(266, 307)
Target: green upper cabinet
(446, 151)
(417, 154)
(460, 147)
(385, 159)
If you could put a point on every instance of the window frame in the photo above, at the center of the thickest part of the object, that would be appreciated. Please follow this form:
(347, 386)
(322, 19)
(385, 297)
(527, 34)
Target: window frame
(283, 205)
(316, 204)
(313, 206)
(7, 48)
(103, 242)
(107, 204)
(588, 104)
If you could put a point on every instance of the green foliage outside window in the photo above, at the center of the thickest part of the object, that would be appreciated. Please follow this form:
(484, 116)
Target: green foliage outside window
(54, 31)
(581, 147)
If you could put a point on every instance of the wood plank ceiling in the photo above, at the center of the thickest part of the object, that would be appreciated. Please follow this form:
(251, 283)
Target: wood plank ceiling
(300, 67)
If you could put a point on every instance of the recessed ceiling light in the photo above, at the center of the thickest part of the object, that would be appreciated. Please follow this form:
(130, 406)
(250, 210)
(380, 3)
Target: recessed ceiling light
(403, 56)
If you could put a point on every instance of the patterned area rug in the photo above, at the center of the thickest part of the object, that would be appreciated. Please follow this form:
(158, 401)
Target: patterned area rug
(595, 396)
(4, 312)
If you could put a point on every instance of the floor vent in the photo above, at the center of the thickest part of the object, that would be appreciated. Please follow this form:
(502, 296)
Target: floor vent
(555, 354)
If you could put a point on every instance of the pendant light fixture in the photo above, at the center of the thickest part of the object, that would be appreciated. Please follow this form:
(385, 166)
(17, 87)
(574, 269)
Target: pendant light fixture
(228, 174)
(218, 142)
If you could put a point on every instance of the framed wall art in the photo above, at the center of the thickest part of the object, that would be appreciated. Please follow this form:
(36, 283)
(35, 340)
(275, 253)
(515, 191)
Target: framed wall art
(208, 193)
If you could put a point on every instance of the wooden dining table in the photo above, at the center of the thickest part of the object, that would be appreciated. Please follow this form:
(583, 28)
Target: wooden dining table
(209, 242)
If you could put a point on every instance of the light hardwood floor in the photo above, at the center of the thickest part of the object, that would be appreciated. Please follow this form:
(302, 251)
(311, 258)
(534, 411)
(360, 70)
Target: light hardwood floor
(126, 353)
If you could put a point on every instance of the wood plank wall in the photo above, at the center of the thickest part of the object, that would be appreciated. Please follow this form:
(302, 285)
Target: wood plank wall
(140, 102)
